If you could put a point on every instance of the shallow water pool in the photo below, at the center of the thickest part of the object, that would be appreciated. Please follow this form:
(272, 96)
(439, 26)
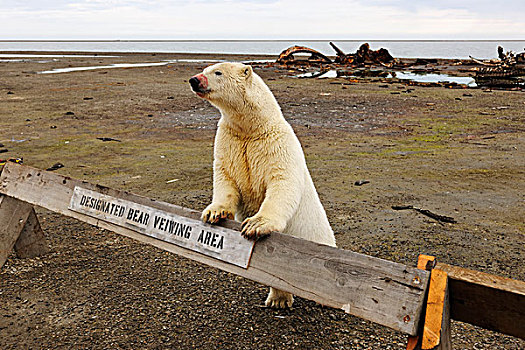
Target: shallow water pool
(435, 78)
(122, 65)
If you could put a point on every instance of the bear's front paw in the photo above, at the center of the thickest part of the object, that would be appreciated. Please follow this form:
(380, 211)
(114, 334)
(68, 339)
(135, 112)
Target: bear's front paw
(259, 226)
(278, 299)
(214, 212)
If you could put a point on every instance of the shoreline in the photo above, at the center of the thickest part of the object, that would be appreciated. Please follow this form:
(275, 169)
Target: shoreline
(204, 55)
(258, 40)
(126, 53)
(445, 49)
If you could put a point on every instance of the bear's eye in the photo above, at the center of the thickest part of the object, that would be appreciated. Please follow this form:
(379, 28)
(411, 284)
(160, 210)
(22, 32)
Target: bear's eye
(218, 73)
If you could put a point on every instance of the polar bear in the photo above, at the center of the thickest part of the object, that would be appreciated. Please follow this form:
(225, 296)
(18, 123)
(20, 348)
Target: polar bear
(260, 177)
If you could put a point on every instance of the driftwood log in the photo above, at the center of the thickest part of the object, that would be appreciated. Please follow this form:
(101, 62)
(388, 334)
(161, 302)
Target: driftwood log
(363, 56)
(507, 70)
(288, 55)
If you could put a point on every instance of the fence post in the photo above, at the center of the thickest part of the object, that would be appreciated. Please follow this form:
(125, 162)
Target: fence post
(13, 216)
(31, 242)
(435, 332)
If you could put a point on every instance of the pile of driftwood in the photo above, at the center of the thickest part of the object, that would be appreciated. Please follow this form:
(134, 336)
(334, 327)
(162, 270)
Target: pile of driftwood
(363, 56)
(507, 70)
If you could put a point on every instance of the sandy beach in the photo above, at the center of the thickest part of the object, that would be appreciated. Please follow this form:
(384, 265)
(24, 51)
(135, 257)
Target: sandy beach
(457, 152)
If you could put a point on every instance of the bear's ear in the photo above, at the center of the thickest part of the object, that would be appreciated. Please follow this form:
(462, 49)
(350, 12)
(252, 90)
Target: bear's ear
(247, 71)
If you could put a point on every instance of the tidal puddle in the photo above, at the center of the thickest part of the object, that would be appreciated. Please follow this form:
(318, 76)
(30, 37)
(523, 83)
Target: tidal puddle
(321, 75)
(13, 55)
(422, 78)
(434, 78)
(122, 65)
(258, 61)
(330, 74)
(14, 60)
(194, 60)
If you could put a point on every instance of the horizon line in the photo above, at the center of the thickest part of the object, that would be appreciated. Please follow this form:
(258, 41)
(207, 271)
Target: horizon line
(259, 40)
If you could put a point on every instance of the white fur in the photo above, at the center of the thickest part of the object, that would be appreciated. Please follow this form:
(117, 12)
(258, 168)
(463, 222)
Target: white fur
(260, 174)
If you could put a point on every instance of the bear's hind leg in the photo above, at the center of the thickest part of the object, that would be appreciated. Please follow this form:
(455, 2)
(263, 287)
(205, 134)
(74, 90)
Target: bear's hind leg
(278, 299)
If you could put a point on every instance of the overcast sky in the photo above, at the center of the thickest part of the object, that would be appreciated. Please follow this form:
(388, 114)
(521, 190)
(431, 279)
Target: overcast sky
(265, 19)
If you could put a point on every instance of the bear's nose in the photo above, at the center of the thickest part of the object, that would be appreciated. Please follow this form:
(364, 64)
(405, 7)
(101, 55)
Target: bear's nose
(194, 82)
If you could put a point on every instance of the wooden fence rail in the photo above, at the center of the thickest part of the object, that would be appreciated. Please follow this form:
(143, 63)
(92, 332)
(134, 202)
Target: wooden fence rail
(488, 301)
(387, 293)
(378, 290)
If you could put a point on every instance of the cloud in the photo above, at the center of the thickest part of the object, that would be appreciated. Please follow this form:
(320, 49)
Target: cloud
(267, 19)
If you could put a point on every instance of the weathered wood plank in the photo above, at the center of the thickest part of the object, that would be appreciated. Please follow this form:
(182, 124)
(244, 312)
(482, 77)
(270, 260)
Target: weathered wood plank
(13, 216)
(378, 290)
(489, 301)
(436, 331)
(32, 241)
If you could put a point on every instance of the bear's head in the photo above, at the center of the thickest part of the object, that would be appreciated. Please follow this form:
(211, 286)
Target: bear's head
(223, 84)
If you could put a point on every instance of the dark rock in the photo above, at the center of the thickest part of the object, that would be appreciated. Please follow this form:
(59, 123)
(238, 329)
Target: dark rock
(361, 182)
(106, 139)
(55, 167)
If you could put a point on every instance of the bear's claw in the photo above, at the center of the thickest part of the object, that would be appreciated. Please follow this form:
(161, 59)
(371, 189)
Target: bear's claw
(256, 227)
(214, 213)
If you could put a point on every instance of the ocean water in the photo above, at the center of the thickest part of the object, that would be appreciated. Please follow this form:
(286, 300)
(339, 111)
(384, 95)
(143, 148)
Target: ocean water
(401, 49)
